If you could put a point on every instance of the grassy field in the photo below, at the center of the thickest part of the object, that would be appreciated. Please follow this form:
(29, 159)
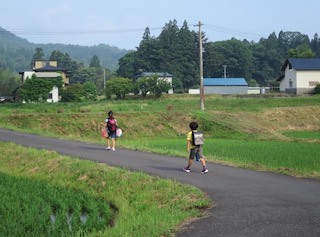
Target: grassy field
(271, 133)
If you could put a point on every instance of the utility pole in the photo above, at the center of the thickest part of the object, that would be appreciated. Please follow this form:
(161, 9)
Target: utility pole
(104, 78)
(225, 71)
(201, 68)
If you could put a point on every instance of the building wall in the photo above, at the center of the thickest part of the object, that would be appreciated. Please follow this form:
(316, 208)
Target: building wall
(43, 63)
(53, 96)
(55, 91)
(299, 82)
(225, 90)
(290, 75)
(169, 79)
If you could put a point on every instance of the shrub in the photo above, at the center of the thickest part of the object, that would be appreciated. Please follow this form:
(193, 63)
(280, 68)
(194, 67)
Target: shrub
(317, 89)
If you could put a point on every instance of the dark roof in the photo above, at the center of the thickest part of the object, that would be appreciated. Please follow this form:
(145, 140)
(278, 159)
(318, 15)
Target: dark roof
(49, 68)
(302, 64)
(224, 82)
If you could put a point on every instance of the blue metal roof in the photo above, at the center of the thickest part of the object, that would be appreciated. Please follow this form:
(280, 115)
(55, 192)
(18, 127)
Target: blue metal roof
(302, 63)
(224, 82)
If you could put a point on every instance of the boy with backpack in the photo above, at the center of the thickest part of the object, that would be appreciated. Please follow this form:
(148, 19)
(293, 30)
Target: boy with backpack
(111, 126)
(194, 147)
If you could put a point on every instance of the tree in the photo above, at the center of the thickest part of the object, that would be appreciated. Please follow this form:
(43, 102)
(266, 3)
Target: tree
(143, 86)
(38, 55)
(126, 65)
(72, 93)
(90, 90)
(8, 82)
(233, 53)
(315, 45)
(152, 84)
(118, 86)
(95, 62)
(159, 86)
(302, 51)
(37, 89)
(64, 61)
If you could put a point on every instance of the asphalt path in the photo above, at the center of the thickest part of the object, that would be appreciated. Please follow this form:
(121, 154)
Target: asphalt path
(247, 203)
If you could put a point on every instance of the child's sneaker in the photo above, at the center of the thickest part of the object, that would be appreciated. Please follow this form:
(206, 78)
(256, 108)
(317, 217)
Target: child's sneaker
(108, 148)
(113, 149)
(204, 171)
(186, 170)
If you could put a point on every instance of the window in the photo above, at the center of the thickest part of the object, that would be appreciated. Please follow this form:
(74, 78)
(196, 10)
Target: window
(290, 83)
(313, 83)
(50, 96)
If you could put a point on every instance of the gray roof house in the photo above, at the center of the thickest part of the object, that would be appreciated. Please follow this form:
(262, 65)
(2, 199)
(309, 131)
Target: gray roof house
(300, 75)
(225, 86)
(161, 75)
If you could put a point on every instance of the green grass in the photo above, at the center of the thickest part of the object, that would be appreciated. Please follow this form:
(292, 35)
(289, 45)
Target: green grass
(36, 184)
(303, 134)
(278, 134)
(184, 103)
(292, 158)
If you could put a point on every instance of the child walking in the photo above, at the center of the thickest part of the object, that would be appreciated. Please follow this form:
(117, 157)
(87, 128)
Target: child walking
(194, 150)
(111, 126)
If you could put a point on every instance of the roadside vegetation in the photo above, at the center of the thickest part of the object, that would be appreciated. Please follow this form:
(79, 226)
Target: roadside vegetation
(277, 133)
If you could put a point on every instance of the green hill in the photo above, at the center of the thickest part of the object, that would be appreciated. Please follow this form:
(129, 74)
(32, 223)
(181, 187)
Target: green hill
(16, 53)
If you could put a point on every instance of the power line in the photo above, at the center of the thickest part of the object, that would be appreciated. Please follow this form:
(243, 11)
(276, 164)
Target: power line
(232, 31)
(73, 31)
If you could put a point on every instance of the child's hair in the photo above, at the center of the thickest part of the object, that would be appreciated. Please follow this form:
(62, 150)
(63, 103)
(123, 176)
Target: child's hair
(110, 113)
(193, 126)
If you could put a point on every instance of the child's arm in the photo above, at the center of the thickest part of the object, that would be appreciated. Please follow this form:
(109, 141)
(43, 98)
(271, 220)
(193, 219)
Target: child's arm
(188, 145)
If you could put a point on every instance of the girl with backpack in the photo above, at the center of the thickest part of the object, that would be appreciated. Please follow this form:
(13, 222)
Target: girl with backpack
(111, 126)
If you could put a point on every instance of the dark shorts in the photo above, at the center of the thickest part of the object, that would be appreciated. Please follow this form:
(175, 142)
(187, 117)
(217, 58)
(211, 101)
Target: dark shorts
(195, 151)
(111, 134)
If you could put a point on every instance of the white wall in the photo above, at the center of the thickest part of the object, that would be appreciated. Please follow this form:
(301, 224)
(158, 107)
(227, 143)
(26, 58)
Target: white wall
(303, 81)
(305, 77)
(55, 90)
(285, 83)
(194, 91)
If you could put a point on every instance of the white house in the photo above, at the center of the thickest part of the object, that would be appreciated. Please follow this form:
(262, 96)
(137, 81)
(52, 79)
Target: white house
(225, 86)
(300, 75)
(161, 75)
(47, 69)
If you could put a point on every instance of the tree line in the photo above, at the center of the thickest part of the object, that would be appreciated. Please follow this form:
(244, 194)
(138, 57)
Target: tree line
(176, 51)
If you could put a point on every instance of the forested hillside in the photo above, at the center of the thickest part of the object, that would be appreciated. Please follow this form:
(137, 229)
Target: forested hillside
(16, 53)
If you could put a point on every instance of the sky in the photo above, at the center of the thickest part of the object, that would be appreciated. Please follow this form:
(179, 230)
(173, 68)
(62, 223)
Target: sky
(122, 23)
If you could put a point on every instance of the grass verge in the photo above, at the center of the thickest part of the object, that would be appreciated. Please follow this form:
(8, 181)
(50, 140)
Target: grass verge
(126, 203)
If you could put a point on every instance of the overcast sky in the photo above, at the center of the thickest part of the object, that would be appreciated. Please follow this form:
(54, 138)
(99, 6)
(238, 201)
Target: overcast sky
(122, 23)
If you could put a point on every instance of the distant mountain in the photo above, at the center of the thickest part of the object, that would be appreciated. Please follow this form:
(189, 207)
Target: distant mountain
(16, 53)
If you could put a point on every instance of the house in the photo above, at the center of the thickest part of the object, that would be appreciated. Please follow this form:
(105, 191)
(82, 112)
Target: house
(161, 75)
(48, 69)
(225, 86)
(300, 75)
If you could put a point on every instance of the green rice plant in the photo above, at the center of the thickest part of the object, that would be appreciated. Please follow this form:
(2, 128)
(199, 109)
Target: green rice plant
(299, 159)
(303, 134)
(39, 208)
(77, 191)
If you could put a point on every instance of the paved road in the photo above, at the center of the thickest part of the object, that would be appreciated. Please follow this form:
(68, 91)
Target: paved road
(248, 203)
